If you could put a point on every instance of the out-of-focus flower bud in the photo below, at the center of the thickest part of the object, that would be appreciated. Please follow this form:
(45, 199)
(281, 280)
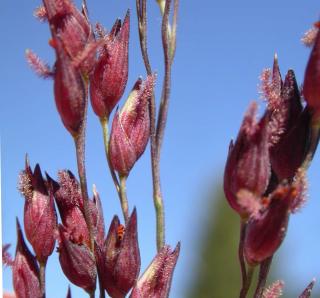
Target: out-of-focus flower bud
(6, 256)
(77, 262)
(25, 270)
(311, 85)
(265, 233)
(131, 128)
(307, 292)
(119, 260)
(110, 75)
(156, 280)
(248, 164)
(288, 154)
(70, 205)
(69, 293)
(69, 90)
(40, 219)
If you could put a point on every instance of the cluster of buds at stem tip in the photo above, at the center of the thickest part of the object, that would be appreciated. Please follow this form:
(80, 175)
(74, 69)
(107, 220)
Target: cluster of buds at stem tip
(25, 270)
(76, 258)
(264, 179)
(40, 219)
(131, 127)
(110, 75)
(75, 47)
(118, 259)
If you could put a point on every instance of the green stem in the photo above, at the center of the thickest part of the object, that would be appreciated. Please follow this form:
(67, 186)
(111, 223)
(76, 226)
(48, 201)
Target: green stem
(42, 277)
(246, 286)
(124, 200)
(104, 123)
(243, 227)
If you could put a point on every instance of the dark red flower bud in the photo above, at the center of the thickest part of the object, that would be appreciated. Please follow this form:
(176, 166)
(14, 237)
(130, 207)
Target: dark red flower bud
(68, 293)
(248, 164)
(70, 205)
(25, 270)
(119, 259)
(265, 233)
(70, 24)
(156, 280)
(110, 75)
(77, 262)
(290, 152)
(131, 128)
(40, 219)
(6, 256)
(69, 90)
(311, 85)
(307, 292)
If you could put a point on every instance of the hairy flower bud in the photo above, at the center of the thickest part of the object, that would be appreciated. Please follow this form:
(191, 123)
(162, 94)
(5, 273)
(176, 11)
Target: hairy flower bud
(156, 280)
(265, 233)
(288, 154)
(131, 128)
(110, 75)
(40, 220)
(70, 205)
(119, 260)
(70, 24)
(311, 85)
(248, 164)
(25, 270)
(77, 262)
(307, 291)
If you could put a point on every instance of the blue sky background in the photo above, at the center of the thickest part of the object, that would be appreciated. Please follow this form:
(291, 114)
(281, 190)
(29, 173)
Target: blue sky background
(222, 47)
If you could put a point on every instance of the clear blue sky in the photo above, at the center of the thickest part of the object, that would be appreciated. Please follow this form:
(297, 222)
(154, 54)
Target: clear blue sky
(222, 47)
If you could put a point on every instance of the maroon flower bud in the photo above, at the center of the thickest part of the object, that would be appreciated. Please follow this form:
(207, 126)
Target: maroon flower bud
(131, 128)
(6, 256)
(248, 165)
(311, 85)
(288, 154)
(25, 270)
(77, 262)
(40, 219)
(110, 75)
(265, 233)
(307, 292)
(68, 293)
(119, 259)
(69, 90)
(70, 24)
(156, 280)
(70, 205)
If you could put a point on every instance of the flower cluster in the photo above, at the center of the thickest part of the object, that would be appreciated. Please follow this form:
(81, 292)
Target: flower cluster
(88, 63)
(265, 172)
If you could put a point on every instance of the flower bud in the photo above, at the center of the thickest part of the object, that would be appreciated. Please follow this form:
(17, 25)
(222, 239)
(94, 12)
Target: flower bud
(77, 262)
(110, 75)
(131, 128)
(311, 85)
(288, 154)
(69, 90)
(156, 280)
(40, 219)
(97, 217)
(70, 205)
(119, 259)
(70, 24)
(265, 233)
(25, 270)
(248, 164)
